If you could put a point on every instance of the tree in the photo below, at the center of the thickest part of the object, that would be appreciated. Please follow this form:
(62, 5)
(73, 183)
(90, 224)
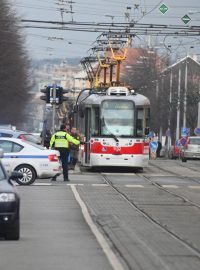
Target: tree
(14, 68)
(141, 70)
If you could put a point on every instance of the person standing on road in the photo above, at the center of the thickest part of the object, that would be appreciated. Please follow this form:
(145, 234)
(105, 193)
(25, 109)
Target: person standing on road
(60, 141)
(74, 149)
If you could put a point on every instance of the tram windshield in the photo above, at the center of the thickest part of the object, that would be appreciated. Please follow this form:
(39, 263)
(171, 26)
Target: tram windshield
(117, 118)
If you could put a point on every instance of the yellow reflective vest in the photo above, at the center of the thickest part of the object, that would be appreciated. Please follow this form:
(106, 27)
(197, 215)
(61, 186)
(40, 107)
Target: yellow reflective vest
(61, 139)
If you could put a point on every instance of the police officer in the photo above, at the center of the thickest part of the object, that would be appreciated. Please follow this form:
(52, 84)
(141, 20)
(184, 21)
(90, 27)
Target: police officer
(60, 141)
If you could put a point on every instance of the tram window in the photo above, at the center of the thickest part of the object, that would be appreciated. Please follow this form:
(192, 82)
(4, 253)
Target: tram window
(147, 118)
(140, 122)
(95, 122)
(117, 117)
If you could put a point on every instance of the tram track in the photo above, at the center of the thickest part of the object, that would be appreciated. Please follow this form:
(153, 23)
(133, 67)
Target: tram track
(177, 174)
(164, 227)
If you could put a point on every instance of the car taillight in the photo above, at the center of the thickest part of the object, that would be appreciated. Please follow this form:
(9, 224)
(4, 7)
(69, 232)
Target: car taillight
(22, 137)
(53, 157)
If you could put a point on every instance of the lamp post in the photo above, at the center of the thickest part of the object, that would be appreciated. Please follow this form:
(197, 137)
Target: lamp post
(178, 104)
(185, 93)
(198, 119)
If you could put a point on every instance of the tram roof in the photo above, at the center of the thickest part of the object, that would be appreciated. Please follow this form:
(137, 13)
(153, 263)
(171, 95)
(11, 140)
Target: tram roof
(96, 98)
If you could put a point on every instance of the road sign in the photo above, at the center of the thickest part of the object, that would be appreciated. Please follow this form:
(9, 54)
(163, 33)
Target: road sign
(153, 145)
(186, 19)
(163, 8)
(183, 141)
(185, 132)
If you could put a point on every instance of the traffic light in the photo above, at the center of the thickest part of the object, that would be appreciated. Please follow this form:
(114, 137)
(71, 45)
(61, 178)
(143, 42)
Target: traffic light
(60, 95)
(54, 94)
(45, 97)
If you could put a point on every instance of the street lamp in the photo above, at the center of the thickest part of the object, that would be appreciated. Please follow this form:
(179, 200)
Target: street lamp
(178, 103)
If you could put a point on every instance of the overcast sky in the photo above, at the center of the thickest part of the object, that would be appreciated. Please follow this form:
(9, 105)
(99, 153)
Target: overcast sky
(39, 41)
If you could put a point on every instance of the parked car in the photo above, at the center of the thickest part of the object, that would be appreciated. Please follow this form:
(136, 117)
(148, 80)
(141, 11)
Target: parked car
(9, 133)
(191, 150)
(9, 205)
(32, 160)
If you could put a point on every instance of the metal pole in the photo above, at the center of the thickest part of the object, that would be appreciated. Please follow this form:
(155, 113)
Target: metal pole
(198, 120)
(178, 104)
(170, 98)
(54, 108)
(185, 94)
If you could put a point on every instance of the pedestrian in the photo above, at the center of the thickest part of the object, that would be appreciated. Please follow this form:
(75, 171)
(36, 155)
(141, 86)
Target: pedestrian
(74, 149)
(158, 149)
(60, 141)
(46, 137)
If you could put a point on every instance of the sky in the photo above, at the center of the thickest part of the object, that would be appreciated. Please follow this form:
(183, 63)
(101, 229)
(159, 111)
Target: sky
(43, 43)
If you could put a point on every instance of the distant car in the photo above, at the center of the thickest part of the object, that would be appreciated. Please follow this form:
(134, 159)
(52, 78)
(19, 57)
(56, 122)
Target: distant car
(9, 133)
(32, 160)
(9, 206)
(191, 150)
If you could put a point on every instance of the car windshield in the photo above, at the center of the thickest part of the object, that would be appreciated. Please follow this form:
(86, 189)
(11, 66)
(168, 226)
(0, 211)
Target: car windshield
(30, 138)
(194, 141)
(2, 175)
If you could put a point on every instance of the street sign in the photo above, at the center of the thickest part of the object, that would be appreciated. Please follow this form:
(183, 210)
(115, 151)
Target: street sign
(163, 8)
(186, 19)
(168, 132)
(185, 132)
(153, 145)
(183, 141)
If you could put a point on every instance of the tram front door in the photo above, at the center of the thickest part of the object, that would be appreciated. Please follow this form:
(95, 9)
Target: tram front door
(87, 135)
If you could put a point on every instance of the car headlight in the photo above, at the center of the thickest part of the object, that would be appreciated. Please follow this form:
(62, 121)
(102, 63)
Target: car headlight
(7, 197)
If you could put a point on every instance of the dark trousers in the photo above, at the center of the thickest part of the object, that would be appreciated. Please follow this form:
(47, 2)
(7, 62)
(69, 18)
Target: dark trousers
(64, 159)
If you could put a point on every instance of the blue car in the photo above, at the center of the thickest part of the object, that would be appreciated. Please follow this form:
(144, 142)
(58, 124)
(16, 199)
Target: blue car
(9, 205)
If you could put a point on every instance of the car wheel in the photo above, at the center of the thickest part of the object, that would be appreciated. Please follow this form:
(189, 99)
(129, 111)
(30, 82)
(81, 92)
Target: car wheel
(14, 233)
(29, 175)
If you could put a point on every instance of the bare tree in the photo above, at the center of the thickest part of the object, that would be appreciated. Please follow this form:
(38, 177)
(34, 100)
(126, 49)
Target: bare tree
(14, 66)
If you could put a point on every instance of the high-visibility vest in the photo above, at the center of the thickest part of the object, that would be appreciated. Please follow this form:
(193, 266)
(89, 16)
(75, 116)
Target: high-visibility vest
(61, 139)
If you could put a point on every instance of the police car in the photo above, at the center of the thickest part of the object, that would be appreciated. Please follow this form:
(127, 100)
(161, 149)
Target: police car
(32, 160)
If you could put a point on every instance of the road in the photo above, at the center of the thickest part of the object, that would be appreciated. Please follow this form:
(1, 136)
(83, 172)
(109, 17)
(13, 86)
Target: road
(111, 220)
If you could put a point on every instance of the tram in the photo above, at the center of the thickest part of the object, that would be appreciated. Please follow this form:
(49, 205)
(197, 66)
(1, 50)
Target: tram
(114, 122)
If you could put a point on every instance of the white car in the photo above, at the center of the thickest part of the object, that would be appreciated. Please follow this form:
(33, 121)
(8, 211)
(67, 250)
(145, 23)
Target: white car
(191, 150)
(32, 160)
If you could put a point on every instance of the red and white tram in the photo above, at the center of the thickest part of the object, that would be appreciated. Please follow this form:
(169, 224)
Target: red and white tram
(113, 122)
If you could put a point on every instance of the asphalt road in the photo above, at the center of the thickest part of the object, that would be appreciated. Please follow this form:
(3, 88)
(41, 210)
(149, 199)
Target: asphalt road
(147, 220)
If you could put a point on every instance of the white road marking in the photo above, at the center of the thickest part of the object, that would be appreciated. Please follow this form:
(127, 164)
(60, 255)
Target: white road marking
(100, 185)
(114, 261)
(118, 174)
(169, 186)
(75, 184)
(42, 184)
(134, 186)
(194, 187)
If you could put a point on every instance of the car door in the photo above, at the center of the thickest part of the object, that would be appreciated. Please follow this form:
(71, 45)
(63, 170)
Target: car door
(11, 150)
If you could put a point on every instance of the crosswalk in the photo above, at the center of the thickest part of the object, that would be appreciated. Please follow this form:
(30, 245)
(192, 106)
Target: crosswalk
(136, 186)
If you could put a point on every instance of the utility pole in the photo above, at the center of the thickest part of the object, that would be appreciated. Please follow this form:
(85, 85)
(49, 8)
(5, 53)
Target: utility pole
(53, 108)
(170, 98)
(198, 120)
(178, 103)
(185, 94)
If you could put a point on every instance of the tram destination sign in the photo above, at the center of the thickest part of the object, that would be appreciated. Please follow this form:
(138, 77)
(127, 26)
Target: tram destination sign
(163, 8)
